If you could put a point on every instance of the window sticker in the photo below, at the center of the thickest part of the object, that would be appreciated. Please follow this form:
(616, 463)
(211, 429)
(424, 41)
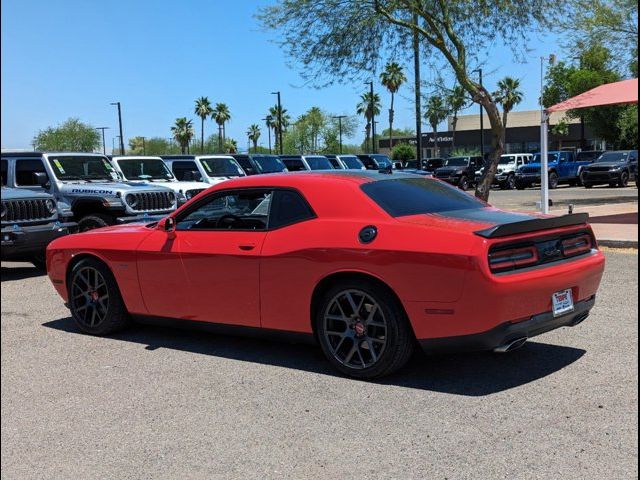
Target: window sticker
(107, 165)
(206, 166)
(59, 165)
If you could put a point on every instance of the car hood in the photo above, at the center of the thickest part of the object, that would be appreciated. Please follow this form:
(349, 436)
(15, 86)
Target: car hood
(109, 188)
(21, 193)
(175, 186)
(606, 164)
(468, 220)
(450, 169)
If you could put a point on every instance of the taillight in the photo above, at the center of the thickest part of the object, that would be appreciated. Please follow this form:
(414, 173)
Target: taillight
(513, 258)
(576, 245)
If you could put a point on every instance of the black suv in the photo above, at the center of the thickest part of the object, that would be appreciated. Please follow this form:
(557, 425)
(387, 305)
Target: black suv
(259, 163)
(459, 171)
(613, 168)
(375, 161)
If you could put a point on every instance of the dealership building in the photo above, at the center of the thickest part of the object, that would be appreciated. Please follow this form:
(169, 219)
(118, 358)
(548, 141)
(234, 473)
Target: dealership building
(523, 135)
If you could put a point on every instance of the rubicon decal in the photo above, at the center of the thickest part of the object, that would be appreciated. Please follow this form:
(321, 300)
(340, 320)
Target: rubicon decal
(94, 192)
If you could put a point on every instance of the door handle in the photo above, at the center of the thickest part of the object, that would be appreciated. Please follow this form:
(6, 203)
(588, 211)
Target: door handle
(247, 246)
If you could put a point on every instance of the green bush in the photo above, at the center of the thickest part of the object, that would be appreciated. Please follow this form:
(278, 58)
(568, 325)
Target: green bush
(403, 152)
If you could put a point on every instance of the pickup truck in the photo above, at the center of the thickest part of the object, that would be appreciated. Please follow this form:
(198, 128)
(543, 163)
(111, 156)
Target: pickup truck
(563, 167)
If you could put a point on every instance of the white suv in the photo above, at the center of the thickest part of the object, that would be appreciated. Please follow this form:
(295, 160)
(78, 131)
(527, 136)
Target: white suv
(506, 174)
(210, 169)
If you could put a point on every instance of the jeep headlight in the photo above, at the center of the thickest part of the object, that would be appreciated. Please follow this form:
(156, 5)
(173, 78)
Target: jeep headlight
(172, 197)
(499, 170)
(51, 206)
(131, 200)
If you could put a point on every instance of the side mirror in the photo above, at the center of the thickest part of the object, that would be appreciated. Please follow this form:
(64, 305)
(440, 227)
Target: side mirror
(168, 225)
(41, 179)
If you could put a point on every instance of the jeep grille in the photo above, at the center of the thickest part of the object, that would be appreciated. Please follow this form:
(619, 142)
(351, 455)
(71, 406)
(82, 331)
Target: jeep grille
(151, 201)
(26, 210)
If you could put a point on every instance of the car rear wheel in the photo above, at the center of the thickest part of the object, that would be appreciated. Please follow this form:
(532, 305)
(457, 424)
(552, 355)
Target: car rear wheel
(96, 220)
(94, 299)
(463, 184)
(553, 180)
(624, 180)
(363, 331)
(588, 185)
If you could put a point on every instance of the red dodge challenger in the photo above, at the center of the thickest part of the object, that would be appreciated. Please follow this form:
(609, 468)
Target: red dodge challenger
(368, 265)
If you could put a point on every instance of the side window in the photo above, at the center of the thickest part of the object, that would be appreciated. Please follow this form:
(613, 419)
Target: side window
(288, 207)
(186, 171)
(238, 210)
(25, 170)
(294, 164)
(4, 171)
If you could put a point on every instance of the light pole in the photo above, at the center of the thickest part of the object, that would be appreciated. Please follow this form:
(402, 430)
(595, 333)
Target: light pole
(339, 118)
(144, 145)
(544, 139)
(119, 143)
(279, 122)
(416, 68)
(373, 117)
(120, 125)
(104, 147)
(268, 132)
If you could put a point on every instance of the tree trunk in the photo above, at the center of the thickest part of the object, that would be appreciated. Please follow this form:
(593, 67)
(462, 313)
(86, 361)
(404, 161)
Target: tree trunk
(391, 123)
(219, 138)
(505, 116)
(497, 146)
(368, 134)
(435, 140)
(201, 134)
(454, 125)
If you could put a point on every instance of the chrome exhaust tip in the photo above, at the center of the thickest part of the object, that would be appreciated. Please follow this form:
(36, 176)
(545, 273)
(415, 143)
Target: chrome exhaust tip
(511, 346)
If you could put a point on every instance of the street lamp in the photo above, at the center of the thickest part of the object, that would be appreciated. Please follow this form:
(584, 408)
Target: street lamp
(339, 118)
(269, 132)
(104, 148)
(416, 67)
(544, 138)
(144, 145)
(479, 70)
(373, 117)
(120, 124)
(279, 122)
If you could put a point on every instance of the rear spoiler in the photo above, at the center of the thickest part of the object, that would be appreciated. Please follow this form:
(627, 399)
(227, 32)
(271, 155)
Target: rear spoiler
(533, 225)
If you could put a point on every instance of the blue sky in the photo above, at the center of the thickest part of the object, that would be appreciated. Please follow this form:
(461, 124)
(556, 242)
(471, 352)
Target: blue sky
(71, 58)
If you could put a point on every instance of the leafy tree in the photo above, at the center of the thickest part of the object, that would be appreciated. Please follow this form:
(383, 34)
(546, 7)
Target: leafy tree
(392, 78)
(230, 146)
(403, 152)
(369, 107)
(628, 126)
(156, 146)
(399, 132)
(221, 115)
(183, 133)
(560, 129)
(70, 136)
(508, 95)
(436, 112)
(254, 134)
(276, 113)
(345, 40)
(137, 146)
(203, 109)
(457, 100)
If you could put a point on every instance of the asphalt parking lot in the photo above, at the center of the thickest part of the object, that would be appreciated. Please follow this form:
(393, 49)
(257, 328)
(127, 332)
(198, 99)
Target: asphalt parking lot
(160, 403)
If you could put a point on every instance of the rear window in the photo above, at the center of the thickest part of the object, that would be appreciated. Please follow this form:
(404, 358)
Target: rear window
(400, 197)
(294, 164)
(319, 163)
(269, 164)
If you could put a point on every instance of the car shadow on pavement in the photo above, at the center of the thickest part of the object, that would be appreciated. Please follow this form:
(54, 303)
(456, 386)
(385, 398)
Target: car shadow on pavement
(20, 273)
(475, 374)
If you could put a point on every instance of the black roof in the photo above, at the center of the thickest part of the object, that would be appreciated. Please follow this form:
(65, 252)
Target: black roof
(30, 154)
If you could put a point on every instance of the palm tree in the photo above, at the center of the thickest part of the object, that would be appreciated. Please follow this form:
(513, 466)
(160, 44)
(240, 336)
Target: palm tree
(508, 95)
(183, 132)
(254, 134)
(392, 78)
(230, 146)
(435, 113)
(221, 115)
(268, 121)
(369, 107)
(276, 115)
(203, 110)
(457, 101)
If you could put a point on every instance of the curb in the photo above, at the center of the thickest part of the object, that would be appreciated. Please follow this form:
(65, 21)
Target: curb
(618, 243)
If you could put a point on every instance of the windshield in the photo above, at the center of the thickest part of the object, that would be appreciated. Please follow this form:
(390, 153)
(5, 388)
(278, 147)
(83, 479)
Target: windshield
(78, 167)
(221, 167)
(319, 163)
(269, 164)
(457, 162)
(352, 162)
(416, 196)
(144, 169)
(383, 161)
(613, 157)
(552, 157)
(507, 159)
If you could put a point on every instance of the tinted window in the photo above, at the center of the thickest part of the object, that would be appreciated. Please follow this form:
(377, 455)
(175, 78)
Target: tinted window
(186, 171)
(4, 170)
(382, 160)
(25, 170)
(414, 196)
(288, 207)
(245, 163)
(318, 163)
(221, 167)
(335, 163)
(294, 164)
(352, 162)
(613, 157)
(457, 162)
(78, 167)
(552, 157)
(144, 169)
(243, 210)
(269, 164)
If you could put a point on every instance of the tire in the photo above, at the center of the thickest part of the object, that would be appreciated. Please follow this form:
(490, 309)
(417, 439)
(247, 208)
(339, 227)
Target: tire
(94, 299)
(588, 185)
(348, 339)
(581, 178)
(40, 262)
(95, 220)
(509, 184)
(463, 184)
(520, 185)
(624, 180)
(553, 180)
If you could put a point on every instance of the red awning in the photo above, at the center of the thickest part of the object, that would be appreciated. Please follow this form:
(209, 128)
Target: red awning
(618, 93)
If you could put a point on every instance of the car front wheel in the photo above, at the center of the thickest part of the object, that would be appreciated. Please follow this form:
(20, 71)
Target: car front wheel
(363, 331)
(463, 184)
(94, 299)
(624, 180)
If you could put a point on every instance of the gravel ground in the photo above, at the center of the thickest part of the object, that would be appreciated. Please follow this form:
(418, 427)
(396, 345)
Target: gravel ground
(159, 403)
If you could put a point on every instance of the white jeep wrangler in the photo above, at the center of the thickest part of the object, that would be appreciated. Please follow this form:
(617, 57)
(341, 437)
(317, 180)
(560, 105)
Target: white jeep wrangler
(506, 174)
